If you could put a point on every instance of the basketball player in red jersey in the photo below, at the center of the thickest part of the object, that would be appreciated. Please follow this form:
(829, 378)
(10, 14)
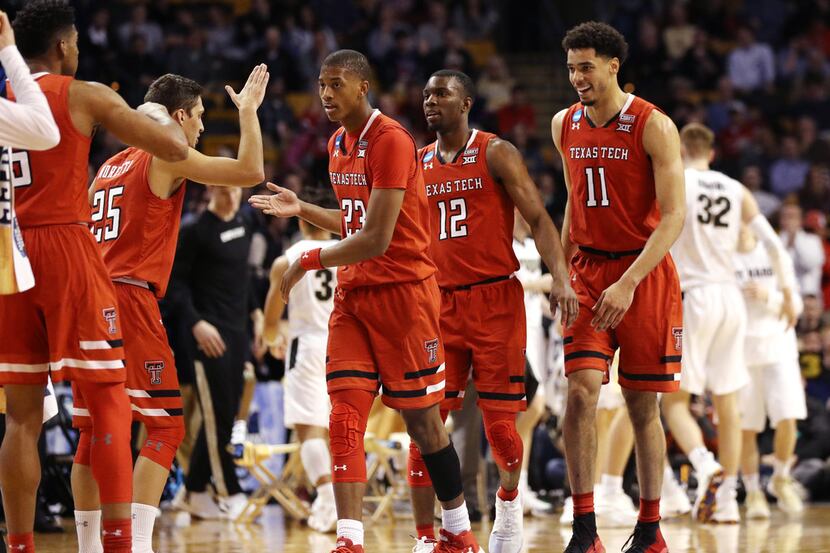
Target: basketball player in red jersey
(136, 209)
(626, 206)
(384, 331)
(68, 325)
(473, 181)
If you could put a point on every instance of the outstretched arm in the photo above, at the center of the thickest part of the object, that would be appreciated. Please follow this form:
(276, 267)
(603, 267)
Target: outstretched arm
(285, 203)
(506, 164)
(247, 169)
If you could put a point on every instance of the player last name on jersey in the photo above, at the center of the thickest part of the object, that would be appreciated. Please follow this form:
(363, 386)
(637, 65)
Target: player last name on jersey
(348, 179)
(598, 152)
(458, 185)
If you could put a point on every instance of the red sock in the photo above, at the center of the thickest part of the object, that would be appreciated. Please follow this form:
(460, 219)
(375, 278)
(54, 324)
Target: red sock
(649, 510)
(505, 495)
(21, 543)
(583, 503)
(425, 531)
(118, 536)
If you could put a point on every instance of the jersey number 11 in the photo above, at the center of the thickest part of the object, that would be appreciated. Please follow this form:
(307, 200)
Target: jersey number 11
(592, 195)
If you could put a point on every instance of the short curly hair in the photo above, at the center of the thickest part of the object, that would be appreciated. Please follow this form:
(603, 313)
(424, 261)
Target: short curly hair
(38, 23)
(602, 37)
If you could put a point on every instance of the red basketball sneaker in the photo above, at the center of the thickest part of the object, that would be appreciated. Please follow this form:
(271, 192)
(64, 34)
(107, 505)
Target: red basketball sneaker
(465, 542)
(345, 545)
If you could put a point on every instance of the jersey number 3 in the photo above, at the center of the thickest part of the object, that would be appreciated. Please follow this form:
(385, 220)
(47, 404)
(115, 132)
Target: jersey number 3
(591, 187)
(106, 218)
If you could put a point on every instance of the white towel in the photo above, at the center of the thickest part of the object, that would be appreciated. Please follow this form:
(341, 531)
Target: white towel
(15, 270)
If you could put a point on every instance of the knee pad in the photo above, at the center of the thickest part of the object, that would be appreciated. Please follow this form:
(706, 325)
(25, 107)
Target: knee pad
(504, 439)
(162, 443)
(316, 459)
(347, 424)
(110, 456)
(82, 453)
(417, 475)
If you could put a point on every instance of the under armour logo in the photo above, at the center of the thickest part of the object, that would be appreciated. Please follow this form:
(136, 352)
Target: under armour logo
(418, 473)
(107, 439)
(154, 445)
(336, 153)
(574, 126)
(21, 547)
(339, 467)
(84, 523)
(427, 166)
(116, 533)
(361, 153)
(513, 462)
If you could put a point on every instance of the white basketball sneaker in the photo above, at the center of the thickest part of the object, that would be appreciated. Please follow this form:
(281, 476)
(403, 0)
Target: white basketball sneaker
(508, 527)
(567, 517)
(614, 509)
(756, 505)
(783, 488)
(424, 545)
(532, 505)
(674, 500)
(709, 480)
(323, 516)
(234, 505)
(202, 505)
(726, 509)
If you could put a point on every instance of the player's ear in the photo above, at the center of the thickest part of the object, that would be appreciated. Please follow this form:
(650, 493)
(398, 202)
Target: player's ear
(466, 105)
(364, 89)
(179, 115)
(614, 65)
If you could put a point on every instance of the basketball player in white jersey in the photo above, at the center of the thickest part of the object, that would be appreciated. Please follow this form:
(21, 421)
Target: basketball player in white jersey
(775, 389)
(537, 287)
(307, 404)
(714, 317)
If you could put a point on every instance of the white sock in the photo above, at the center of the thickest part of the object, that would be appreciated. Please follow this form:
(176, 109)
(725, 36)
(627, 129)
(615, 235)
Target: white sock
(456, 520)
(351, 530)
(611, 484)
(730, 483)
(752, 482)
(88, 527)
(780, 468)
(144, 518)
(314, 454)
(523, 484)
(326, 491)
(700, 457)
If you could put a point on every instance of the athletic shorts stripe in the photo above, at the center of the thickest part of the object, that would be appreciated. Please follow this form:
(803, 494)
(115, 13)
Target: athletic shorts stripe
(517, 379)
(431, 389)
(351, 374)
(424, 372)
(666, 359)
(24, 368)
(587, 354)
(499, 396)
(650, 377)
(101, 344)
(158, 412)
(85, 364)
(153, 393)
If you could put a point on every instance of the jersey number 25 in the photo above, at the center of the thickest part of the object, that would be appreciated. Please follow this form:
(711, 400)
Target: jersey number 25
(106, 217)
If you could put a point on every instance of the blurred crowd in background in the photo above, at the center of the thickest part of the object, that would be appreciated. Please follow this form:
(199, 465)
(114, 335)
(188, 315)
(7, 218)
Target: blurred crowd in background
(756, 71)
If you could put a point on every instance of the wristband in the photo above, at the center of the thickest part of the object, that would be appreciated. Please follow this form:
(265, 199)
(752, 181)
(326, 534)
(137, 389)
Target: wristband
(310, 260)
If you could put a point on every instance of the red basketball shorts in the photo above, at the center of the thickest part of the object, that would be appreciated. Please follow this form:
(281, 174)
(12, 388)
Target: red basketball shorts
(388, 338)
(485, 330)
(650, 336)
(152, 382)
(67, 326)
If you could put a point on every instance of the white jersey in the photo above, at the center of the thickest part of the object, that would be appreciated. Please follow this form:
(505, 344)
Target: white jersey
(705, 251)
(530, 269)
(767, 338)
(311, 301)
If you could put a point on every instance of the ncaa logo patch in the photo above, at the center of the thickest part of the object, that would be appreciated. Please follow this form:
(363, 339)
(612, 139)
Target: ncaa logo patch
(677, 332)
(427, 161)
(577, 115)
(110, 316)
(154, 369)
(431, 347)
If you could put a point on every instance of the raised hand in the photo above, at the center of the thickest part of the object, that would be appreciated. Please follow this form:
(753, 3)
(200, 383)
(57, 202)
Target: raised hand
(6, 31)
(283, 203)
(252, 94)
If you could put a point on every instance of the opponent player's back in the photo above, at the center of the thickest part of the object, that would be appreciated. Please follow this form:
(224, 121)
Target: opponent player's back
(312, 298)
(50, 186)
(705, 251)
(612, 198)
(351, 162)
(471, 215)
(136, 229)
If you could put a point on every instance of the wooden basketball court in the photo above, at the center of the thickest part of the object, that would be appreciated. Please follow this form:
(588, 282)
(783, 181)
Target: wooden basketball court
(276, 534)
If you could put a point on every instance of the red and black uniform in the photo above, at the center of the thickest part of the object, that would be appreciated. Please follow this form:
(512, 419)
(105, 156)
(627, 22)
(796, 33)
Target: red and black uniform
(384, 330)
(482, 303)
(613, 211)
(67, 326)
(137, 232)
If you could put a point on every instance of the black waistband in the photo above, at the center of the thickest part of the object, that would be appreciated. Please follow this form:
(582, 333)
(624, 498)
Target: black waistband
(610, 255)
(479, 283)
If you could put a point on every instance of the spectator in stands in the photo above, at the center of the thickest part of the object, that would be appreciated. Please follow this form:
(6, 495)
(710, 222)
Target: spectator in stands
(137, 70)
(518, 112)
(788, 172)
(280, 63)
(431, 30)
(455, 55)
(191, 60)
(805, 249)
(478, 18)
(816, 221)
(753, 178)
(141, 25)
(816, 192)
(751, 64)
(495, 85)
(679, 34)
